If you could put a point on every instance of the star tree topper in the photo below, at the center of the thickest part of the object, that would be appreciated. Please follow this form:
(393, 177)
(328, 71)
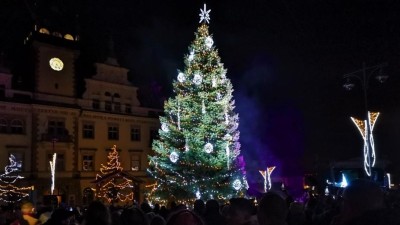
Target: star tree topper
(205, 15)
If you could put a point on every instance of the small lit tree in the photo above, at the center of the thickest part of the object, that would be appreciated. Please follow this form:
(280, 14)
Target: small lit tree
(112, 183)
(9, 191)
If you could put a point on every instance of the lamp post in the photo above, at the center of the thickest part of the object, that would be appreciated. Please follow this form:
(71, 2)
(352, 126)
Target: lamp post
(363, 75)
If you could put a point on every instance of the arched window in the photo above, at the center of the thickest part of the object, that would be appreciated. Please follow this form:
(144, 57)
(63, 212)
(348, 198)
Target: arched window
(68, 37)
(116, 95)
(57, 34)
(17, 126)
(3, 125)
(44, 31)
(108, 94)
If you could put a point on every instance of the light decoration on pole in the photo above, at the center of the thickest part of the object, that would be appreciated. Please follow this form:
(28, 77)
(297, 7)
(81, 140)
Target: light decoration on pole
(53, 172)
(113, 184)
(266, 174)
(9, 192)
(366, 127)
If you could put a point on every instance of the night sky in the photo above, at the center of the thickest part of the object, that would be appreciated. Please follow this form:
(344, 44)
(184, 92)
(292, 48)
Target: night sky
(286, 60)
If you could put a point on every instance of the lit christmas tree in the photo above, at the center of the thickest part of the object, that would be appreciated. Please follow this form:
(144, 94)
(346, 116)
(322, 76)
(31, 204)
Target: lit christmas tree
(197, 153)
(9, 192)
(113, 184)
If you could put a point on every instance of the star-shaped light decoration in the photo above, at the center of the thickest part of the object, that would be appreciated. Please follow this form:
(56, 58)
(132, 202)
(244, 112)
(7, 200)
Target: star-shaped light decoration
(205, 15)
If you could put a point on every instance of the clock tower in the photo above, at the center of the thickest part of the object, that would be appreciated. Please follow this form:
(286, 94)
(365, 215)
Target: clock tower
(54, 69)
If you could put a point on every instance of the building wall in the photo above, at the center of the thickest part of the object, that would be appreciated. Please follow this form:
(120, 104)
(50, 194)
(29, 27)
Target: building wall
(55, 120)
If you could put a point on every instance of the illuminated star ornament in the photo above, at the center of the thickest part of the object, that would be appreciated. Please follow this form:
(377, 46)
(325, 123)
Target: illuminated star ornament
(205, 15)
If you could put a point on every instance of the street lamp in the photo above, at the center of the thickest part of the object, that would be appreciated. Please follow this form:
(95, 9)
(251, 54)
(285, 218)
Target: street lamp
(366, 126)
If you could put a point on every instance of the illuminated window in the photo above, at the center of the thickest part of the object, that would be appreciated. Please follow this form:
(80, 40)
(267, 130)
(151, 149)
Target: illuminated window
(60, 161)
(87, 162)
(88, 130)
(135, 133)
(68, 37)
(44, 31)
(17, 127)
(113, 132)
(96, 104)
(3, 125)
(135, 162)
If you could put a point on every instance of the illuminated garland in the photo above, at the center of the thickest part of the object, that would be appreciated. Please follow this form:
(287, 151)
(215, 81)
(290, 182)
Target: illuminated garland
(10, 193)
(118, 187)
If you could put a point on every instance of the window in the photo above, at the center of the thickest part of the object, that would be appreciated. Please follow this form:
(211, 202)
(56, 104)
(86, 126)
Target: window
(88, 130)
(56, 128)
(96, 104)
(153, 135)
(135, 162)
(16, 160)
(117, 107)
(60, 161)
(108, 106)
(113, 132)
(135, 133)
(3, 125)
(17, 127)
(128, 108)
(87, 163)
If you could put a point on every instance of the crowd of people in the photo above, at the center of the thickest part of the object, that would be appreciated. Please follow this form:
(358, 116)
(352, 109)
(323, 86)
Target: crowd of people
(363, 202)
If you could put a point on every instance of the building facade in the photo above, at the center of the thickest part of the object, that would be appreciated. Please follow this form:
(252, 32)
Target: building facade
(50, 117)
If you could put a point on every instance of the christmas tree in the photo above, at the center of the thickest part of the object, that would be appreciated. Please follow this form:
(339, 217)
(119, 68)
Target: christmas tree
(9, 192)
(113, 184)
(197, 153)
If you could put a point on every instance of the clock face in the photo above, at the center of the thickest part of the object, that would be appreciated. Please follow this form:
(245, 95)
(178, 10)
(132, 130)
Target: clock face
(56, 64)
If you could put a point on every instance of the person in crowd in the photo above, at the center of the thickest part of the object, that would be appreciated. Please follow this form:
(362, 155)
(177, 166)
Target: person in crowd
(158, 220)
(184, 217)
(133, 216)
(212, 215)
(199, 207)
(97, 214)
(28, 211)
(296, 215)
(60, 216)
(241, 212)
(361, 199)
(272, 210)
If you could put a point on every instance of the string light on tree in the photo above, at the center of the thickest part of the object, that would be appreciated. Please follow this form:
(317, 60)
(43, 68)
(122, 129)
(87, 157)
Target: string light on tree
(181, 77)
(9, 191)
(203, 111)
(113, 184)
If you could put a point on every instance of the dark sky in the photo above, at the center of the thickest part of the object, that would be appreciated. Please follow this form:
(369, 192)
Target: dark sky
(286, 60)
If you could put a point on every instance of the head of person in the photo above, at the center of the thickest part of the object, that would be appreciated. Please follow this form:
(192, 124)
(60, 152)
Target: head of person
(272, 209)
(184, 217)
(27, 208)
(240, 211)
(212, 207)
(199, 206)
(133, 215)
(360, 196)
(97, 214)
